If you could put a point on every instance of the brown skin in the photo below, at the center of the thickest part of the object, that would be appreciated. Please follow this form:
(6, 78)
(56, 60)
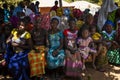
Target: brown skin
(72, 25)
(89, 19)
(108, 29)
(54, 30)
(85, 35)
(21, 30)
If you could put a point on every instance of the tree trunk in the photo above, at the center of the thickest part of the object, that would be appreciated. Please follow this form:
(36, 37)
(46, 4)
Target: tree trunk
(60, 3)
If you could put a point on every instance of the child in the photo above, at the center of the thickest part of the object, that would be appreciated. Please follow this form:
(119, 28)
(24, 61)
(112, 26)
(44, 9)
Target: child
(73, 59)
(101, 59)
(94, 34)
(83, 42)
(97, 38)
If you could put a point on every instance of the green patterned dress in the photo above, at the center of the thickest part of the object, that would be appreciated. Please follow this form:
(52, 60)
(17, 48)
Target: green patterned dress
(112, 54)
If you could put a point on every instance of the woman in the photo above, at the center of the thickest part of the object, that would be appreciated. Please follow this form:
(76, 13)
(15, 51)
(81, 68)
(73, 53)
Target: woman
(17, 55)
(55, 54)
(38, 58)
(73, 58)
(113, 48)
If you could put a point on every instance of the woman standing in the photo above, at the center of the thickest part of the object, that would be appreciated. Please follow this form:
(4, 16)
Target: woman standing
(17, 56)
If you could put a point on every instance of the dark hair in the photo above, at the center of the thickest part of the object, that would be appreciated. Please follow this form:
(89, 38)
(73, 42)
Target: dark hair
(71, 19)
(116, 4)
(19, 22)
(83, 28)
(37, 2)
(27, 19)
(56, 2)
(92, 27)
(5, 5)
(12, 7)
(54, 19)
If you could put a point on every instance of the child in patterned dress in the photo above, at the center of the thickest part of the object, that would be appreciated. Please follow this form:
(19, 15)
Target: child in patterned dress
(84, 48)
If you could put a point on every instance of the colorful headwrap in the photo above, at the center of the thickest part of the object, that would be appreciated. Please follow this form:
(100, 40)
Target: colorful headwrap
(110, 23)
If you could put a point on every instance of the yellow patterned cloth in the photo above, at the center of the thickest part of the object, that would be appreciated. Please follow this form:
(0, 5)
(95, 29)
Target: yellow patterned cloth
(79, 23)
(96, 36)
(14, 33)
(16, 39)
(37, 61)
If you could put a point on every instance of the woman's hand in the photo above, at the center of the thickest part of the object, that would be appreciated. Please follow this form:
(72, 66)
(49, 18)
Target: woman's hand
(3, 62)
(55, 53)
(8, 40)
(15, 44)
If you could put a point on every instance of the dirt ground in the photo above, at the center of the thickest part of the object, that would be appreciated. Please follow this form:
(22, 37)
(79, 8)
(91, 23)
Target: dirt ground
(111, 73)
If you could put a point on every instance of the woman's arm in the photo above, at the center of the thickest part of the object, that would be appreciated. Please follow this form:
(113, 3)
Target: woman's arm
(9, 38)
(28, 46)
(61, 44)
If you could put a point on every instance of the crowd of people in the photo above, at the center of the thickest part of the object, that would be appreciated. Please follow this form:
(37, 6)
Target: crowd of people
(29, 50)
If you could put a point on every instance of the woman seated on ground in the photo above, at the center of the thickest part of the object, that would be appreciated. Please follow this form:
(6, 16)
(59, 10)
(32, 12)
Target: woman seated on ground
(37, 56)
(19, 45)
(109, 35)
(55, 55)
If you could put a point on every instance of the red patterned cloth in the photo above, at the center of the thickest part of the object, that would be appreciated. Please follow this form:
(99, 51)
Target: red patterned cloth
(73, 68)
(45, 21)
(37, 62)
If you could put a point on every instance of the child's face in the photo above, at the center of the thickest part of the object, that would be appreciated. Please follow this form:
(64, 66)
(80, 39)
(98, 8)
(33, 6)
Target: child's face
(93, 30)
(21, 27)
(108, 28)
(85, 33)
(72, 24)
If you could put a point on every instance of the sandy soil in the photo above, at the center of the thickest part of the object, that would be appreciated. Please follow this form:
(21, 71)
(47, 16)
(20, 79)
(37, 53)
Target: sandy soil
(112, 73)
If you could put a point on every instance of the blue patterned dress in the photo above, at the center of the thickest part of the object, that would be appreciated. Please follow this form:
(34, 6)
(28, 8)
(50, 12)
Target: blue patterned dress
(55, 61)
(17, 60)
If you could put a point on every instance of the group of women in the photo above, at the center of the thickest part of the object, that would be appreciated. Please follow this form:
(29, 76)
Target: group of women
(29, 52)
